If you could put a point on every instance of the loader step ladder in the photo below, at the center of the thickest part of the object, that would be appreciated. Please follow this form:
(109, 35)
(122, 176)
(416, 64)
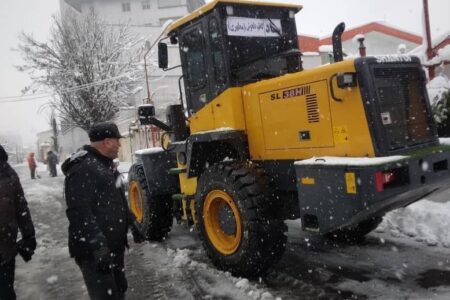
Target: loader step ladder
(177, 197)
(176, 171)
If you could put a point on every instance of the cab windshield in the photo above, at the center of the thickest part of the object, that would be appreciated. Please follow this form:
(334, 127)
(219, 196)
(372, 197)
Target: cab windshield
(258, 47)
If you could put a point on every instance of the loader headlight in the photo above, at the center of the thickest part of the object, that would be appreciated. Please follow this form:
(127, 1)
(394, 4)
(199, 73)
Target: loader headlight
(345, 80)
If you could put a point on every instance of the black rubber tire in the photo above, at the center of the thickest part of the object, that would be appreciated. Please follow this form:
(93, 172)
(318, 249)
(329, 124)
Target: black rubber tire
(157, 210)
(263, 238)
(355, 233)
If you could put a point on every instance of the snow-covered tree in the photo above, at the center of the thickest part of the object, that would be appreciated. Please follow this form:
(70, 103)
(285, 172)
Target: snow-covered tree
(439, 94)
(90, 67)
(441, 110)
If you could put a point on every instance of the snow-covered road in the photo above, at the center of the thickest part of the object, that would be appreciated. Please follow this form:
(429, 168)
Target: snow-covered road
(406, 258)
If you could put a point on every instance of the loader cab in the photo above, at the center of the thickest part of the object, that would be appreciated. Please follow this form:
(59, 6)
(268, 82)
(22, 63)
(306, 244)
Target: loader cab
(229, 43)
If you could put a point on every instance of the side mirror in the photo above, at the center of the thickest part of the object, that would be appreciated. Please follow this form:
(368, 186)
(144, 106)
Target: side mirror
(162, 56)
(145, 112)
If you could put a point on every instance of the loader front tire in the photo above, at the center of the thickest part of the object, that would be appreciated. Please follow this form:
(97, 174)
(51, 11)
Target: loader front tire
(153, 214)
(236, 219)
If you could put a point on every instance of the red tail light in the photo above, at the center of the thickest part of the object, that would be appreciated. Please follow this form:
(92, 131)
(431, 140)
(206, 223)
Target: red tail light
(384, 178)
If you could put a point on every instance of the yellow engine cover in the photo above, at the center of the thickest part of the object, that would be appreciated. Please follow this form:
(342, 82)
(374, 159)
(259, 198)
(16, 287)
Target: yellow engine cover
(293, 116)
(305, 105)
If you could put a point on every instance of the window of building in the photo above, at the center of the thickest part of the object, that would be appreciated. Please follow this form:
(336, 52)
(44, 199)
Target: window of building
(170, 3)
(126, 7)
(146, 4)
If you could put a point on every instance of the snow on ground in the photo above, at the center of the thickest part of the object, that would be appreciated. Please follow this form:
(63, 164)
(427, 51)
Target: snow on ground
(444, 141)
(426, 221)
(183, 258)
(409, 243)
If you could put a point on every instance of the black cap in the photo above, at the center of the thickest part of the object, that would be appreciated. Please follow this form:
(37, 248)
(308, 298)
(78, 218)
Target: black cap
(3, 154)
(103, 130)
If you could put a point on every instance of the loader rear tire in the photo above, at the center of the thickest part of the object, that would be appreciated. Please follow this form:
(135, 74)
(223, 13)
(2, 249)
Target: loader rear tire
(153, 213)
(356, 233)
(237, 219)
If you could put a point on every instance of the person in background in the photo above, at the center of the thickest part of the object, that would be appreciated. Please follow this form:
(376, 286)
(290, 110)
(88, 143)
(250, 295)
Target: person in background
(14, 216)
(52, 161)
(32, 165)
(98, 213)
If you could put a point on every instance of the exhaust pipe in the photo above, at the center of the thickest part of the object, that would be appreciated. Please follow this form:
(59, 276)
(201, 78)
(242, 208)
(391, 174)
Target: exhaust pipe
(337, 42)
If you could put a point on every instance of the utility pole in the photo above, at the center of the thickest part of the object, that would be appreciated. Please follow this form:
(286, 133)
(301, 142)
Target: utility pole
(147, 45)
(429, 49)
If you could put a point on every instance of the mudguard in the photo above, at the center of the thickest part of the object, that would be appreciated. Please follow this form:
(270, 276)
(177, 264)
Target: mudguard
(156, 163)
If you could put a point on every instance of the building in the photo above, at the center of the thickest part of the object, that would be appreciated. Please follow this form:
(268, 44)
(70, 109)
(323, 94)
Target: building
(13, 145)
(379, 39)
(44, 143)
(145, 19)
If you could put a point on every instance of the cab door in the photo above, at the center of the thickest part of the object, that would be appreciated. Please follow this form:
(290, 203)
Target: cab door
(192, 49)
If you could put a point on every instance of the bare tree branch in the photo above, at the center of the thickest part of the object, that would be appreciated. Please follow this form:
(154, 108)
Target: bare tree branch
(90, 66)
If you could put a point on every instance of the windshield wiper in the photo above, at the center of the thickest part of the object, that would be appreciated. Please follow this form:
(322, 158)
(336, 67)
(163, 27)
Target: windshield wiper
(274, 27)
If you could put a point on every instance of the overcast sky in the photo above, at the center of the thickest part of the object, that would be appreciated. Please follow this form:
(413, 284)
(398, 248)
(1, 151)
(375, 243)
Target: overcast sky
(318, 17)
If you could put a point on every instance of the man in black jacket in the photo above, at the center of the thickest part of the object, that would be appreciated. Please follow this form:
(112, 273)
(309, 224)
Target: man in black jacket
(14, 216)
(98, 213)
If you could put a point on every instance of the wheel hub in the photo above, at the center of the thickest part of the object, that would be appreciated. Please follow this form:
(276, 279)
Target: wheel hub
(135, 196)
(222, 220)
(227, 222)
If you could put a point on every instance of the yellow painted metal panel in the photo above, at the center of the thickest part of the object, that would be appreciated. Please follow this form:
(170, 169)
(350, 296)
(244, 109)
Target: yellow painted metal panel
(193, 211)
(340, 134)
(224, 111)
(348, 116)
(297, 117)
(350, 182)
(308, 181)
(202, 120)
(188, 186)
(228, 110)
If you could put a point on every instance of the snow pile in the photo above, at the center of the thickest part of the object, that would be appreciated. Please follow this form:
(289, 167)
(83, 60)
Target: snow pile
(377, 289)
(243, 284)
(182, 258)
(444, 141)
(149, 151)
(437, 87)
(357, 37)
(444, 53)
(425, 221)
(52, 279)
(350, 161)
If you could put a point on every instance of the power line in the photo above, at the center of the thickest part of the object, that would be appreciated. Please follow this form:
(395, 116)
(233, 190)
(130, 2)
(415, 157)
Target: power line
(27, 99)
(22, 98)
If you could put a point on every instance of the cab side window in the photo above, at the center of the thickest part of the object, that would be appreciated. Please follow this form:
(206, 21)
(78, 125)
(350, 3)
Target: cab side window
(193, 48)
(217, 54)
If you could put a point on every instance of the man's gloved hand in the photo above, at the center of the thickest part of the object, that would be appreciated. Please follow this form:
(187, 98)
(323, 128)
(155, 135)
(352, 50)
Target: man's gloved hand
(103, 259)
(138, 237)
(26, 247)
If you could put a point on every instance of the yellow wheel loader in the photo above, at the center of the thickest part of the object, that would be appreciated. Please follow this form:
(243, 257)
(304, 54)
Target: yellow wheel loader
(257, 140)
